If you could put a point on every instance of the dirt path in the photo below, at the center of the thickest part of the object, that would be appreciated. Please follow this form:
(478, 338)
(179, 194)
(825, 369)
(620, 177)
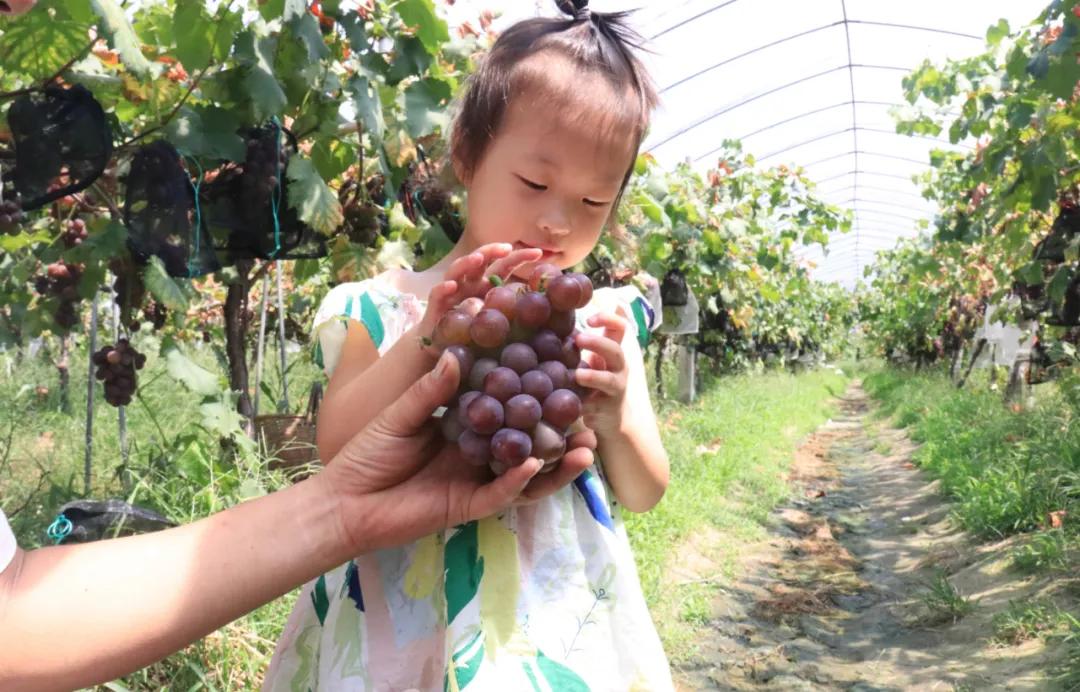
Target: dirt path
(836, 598)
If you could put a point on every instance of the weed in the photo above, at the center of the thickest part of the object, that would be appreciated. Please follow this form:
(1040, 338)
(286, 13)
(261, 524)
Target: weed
(1024, 621)
(945, 602)
(1047, 550)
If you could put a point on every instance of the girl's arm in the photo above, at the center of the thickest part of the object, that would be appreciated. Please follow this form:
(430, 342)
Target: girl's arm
(621, 414)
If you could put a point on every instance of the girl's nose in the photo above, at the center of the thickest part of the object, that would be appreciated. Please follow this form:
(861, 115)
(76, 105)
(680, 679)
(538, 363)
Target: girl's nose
(555, 222)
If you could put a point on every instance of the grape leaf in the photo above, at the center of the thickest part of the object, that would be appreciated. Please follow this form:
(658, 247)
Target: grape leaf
(38, 46)
(997, 32)
(267, 96)
(331, 157)
(410, 59)
(368, 107)
(294, 9)
(194, 33)
(425, 109)
(187, 372)
(1060, 283)
(312, 198)
(122, 37)
(162, 286)
(429, 27)
(220, 418)
(210, 132)
(306, 29)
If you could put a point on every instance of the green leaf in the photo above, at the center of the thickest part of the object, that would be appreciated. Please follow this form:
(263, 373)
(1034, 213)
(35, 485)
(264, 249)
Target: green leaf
(294, 9)
(652, 209)
(312, 198)
(1059, 283)
(429, 27)
(266, 93)
(306, 29)
(115, 25)
(187, 372)
(194, 31)
(411, 59)
(997, 33)
(331, 157)
(221, 418)
(368, 107)
(162, 286)
(425, 107)
(209, 132)
(37, 45)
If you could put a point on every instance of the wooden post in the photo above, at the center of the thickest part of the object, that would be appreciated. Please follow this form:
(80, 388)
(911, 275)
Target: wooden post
(283, 405)
(88, 455)
(687, 375)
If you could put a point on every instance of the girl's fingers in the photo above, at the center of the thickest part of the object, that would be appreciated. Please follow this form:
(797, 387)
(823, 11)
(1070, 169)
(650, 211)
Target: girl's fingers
(608, 349)
(443, 296)
(609, 383)
(614, 325)
(506, 266)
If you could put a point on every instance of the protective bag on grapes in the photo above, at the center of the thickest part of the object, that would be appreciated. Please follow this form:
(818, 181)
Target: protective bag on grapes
(289, 441)
(94, 520)
(62, 143)
(673, 290)
(247, 205)
(161, 216)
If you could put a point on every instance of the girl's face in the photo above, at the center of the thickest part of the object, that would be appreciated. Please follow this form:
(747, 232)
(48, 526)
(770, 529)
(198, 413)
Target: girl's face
(548, 180)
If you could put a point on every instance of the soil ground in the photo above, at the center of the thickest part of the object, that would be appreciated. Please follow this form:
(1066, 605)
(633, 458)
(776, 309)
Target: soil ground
(835, 598)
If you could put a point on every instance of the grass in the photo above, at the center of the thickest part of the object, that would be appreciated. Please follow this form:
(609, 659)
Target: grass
(944, 601)
(1046, 551)
(1025, 621)
(729, 453)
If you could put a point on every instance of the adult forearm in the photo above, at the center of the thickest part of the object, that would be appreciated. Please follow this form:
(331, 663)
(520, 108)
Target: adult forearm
(126, 603)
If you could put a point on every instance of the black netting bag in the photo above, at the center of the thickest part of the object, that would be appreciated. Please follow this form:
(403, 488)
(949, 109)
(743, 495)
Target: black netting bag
(673, 290)
(62, 143)
(82, 521)
(247, 206)
(161, 215)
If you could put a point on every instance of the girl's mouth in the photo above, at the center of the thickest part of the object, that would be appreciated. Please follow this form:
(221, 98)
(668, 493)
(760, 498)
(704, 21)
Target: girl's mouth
(548, 252)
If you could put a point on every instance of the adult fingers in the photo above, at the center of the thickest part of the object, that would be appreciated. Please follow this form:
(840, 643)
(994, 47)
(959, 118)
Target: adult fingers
(413, 409)
(570, 467)
(502, 492)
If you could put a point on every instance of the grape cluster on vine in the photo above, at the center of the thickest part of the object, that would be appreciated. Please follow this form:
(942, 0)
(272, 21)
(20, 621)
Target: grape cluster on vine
(74, 233)
(11, 216)
(518, 357)
(116, 367)
(61, 280)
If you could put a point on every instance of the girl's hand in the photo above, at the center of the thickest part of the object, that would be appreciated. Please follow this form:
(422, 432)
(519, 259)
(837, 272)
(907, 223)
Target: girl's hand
(469, 277)
(607, 374)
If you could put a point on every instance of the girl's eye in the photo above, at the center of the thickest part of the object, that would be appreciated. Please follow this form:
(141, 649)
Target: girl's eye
(531, 185)
(594, 203)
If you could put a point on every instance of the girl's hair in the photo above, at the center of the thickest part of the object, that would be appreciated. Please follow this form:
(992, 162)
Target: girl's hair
(595, 42)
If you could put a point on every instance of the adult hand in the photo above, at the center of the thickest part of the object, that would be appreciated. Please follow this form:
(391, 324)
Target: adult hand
(398, 480)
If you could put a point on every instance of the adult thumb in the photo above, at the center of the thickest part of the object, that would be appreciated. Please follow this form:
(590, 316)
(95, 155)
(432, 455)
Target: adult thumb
(413, 409)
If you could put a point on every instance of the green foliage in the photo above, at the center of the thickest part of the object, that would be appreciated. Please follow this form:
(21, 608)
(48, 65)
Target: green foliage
(1047, 550)
(945, 602)
(1029, 620)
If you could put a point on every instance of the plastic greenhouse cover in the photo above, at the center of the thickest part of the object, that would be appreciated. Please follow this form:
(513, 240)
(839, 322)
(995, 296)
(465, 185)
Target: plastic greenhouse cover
(802, 82)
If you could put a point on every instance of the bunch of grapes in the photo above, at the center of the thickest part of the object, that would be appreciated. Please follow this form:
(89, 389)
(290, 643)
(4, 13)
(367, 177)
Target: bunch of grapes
(116, 366)
(62, 281)
(156, 314)
(262, 165)
(11, 216)
(74, 233)
(518, 360)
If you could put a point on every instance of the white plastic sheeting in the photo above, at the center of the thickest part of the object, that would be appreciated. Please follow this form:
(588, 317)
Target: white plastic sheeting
(803, 82)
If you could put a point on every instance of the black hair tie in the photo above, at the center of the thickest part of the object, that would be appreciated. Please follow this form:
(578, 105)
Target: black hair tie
(578, 9)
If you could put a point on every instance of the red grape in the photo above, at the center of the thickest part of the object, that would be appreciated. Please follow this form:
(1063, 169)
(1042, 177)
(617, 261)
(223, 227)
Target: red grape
(556, 372)
(465, 359)
(541, 274)
(479, 371)
(548, 444)
(536, 384)
(490, 328)
(522, 412)
(561, 408)
(547, 345)
(511, 447)
(471, 306)
(533, 310)
(475, 448)
(451, 425)
(453, 328)
(502, 384)
(564, 292)
(485, 414)
(586, 289)
(463, 405)
(562, 323)
(519, 357)
(503, 299)
(570, 355)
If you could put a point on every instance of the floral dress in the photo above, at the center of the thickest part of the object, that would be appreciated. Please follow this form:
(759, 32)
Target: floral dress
(542, 597)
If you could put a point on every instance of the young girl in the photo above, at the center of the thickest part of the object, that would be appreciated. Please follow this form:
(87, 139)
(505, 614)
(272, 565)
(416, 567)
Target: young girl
(546, 596)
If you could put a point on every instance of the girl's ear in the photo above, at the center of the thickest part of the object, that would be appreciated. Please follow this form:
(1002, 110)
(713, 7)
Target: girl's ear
(461, 171)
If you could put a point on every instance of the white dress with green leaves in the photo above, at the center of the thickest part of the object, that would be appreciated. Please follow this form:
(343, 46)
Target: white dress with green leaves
(543, 597)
